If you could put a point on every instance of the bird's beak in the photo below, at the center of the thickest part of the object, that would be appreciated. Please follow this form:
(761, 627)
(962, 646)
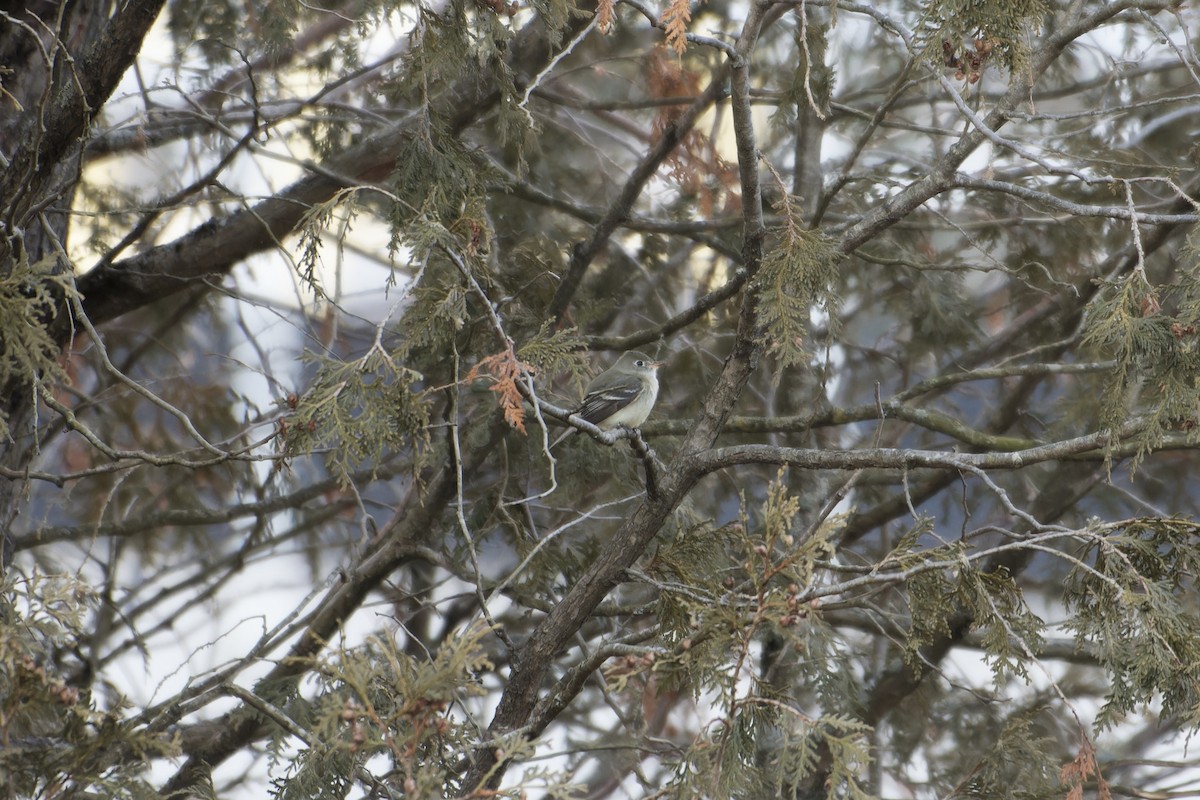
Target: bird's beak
(657, 364)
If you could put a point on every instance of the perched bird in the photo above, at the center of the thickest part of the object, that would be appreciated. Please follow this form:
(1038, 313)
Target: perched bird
(621, 396)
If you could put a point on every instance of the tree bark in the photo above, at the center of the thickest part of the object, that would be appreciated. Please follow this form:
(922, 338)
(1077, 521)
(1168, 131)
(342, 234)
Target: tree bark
(67, 58)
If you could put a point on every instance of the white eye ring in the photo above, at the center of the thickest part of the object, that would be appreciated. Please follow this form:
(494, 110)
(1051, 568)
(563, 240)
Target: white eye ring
(640, 363)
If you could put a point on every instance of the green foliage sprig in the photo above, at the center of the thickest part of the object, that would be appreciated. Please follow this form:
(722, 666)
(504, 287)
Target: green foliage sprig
(997, 30)
(796, 276)
(379, 700)
(29, 355)
(54, 738)
(710, 640)
(444, 187)
(1019, 764)
(1156, 354)
(313, 226)
(1133, 600)
(556, 351)
(356, 411)
(989, 599)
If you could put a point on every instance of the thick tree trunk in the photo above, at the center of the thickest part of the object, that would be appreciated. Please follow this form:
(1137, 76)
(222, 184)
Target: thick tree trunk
(66, 59)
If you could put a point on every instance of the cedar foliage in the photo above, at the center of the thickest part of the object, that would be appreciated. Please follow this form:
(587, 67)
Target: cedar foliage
(285, 339)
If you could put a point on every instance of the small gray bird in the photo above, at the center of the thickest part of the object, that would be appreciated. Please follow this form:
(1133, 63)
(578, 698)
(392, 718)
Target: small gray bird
(621, 396)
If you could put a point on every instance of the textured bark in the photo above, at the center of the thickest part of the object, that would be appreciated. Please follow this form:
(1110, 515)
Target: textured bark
(66, 58)
(210, 251)
(43, 141)
(73, 87)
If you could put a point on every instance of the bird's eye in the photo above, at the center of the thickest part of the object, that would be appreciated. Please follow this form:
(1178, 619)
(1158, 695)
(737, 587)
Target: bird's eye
(640, 363)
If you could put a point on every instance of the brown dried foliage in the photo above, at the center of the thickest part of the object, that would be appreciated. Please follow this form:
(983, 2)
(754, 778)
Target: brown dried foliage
(504, 369)
(973, 60)
(1076, 774)
(694, 165)
(675, 21)
(605, 14)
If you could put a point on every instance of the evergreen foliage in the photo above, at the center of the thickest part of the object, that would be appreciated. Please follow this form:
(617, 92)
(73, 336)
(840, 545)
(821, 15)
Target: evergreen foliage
(30, 363)
(57, 738)
(377, 700)
(965, 33)
(296, 297)
(794, 281)
(356, 413)
(1128, 602)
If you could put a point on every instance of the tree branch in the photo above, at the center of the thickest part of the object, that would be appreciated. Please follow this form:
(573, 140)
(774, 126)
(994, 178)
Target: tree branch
(49, 135)
(892, 458)
(619, 210)
(411, 525)
(210, 251)
(535, 657)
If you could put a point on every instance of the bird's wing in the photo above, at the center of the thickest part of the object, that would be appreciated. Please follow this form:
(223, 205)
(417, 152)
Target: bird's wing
(599, 406)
